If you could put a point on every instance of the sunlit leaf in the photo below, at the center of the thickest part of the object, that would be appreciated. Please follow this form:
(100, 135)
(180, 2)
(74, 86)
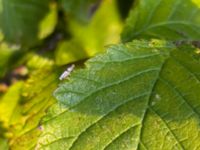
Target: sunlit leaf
(48, 24)
(23, 106)
(141, 95)
(90, 39)
(9, 103)
(5, 56)
(69, 51)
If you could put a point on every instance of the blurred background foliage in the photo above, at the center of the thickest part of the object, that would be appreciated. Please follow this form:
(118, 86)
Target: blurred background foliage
(38, 39)
(58, 29)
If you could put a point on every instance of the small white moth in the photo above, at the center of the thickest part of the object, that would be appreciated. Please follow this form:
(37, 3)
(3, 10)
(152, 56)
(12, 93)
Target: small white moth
(67, 72)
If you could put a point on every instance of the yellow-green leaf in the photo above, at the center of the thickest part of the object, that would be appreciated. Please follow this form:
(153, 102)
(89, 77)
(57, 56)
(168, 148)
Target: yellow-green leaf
(88, 40)
(141, 95)
(25, 103)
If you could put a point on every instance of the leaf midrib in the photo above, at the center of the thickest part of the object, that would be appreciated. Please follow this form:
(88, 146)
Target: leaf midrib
(145, 112)
(148, 107)
(148, 103)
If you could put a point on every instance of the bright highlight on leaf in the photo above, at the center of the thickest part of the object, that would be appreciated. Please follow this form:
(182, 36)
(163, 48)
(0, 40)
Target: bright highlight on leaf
(25, 103)
(141, 95)
(90, 39)
(165, 19)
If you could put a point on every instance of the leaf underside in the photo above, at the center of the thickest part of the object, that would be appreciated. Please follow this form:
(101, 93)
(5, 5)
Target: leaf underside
(142, 95)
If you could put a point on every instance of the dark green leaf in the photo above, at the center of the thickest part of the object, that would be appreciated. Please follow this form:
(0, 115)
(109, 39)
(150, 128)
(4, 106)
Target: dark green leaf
(82, 10)
(164, 19)
(24, 22)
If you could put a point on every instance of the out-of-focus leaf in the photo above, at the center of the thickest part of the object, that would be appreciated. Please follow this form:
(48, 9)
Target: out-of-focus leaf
(101, 30)
(11, 58)
(3, 144)
(48, 24)
(2, 129)
(124, 7)
(186, 46)
(90, 39)
(141, 95)
(165, 19)
(1, 36)
(39, 63)
(9, 103)
(196, 55)
(81, 10)
(31, 100)
(69, 51)
(5, 55)
(22, 21)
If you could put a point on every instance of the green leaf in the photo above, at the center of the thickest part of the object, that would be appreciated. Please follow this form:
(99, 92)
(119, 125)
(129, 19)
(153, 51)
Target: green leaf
(11, 98)
(91, 38)
(164, 19)
(48, 23)
(6, 53)
(141, 95)
(3, 144)
(69, 51)
(1, 35)
(25, 103)
(22, 21)
(79, 9)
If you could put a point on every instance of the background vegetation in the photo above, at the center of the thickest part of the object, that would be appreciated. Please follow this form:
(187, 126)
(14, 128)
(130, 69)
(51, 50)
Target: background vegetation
(141, 91)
